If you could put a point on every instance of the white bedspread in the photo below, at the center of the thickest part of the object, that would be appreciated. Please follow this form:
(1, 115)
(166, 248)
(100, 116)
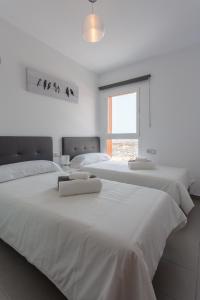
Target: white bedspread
(102, 246)
(174, 181)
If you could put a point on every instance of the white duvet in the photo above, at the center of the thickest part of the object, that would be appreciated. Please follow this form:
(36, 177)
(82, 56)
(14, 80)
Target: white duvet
(102, 246)
(174, 181)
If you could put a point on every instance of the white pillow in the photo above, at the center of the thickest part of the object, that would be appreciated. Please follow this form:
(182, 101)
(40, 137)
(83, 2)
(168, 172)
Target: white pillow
(87, 159)
(26, 168)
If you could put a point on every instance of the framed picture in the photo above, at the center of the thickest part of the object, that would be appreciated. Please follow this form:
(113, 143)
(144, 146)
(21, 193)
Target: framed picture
(43, 84)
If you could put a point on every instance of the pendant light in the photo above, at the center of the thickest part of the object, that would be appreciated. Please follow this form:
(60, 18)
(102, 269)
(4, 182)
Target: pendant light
(93, 28)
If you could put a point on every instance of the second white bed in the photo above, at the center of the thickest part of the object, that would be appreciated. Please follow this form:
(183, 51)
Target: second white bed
(174, 181)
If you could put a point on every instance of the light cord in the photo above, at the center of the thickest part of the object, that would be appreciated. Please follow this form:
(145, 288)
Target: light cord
(150, 121)
(92, 7)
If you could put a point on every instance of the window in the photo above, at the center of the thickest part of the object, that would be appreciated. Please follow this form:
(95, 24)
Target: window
(122, 114)
(122, 126)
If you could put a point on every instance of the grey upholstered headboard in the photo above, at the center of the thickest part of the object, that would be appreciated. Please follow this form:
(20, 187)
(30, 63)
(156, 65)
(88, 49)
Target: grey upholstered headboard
(22, 148)
(79, 145)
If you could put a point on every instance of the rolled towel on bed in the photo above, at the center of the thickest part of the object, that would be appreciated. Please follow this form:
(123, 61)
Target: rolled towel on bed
(142, 159)
(141, 164)
(79, 175)
(80, 186)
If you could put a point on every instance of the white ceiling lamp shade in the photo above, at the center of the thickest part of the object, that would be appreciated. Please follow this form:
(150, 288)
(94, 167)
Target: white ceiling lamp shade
(93, 27)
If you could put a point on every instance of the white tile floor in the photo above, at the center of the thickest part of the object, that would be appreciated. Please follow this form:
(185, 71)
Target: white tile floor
(178, 273)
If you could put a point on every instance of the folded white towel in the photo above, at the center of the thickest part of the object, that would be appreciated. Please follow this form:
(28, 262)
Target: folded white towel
(79, 175)
(141, 165)
(80, 186)
(142, 159)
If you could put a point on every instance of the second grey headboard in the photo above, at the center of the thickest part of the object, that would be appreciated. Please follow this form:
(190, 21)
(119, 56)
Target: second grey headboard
(80, 145)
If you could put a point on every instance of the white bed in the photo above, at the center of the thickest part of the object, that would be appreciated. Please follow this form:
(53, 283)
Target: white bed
(93, 247)
(174, 181)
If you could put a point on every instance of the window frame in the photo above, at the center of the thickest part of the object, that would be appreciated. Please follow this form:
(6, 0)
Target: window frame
(122, 91)
(117, 91)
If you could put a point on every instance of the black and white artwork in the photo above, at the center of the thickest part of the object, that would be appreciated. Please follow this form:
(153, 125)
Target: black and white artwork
(43, 84)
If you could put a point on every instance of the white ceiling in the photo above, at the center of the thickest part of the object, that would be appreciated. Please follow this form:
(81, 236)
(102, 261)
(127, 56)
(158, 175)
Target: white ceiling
(135, 29)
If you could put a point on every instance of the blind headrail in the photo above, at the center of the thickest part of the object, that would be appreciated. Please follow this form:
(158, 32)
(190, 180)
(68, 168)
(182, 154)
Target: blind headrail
(125, 82)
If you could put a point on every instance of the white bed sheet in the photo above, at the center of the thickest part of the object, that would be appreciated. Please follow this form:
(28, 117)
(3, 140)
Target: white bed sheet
(174, 181)
(100, 246)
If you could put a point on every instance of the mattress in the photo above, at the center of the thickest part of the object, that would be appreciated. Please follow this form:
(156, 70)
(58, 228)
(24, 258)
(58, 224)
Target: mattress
(174, 181)
(102, 246)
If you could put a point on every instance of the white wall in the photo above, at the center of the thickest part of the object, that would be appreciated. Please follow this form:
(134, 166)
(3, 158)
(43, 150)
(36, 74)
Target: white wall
(174, 92)
(175, 96)
(24, 113)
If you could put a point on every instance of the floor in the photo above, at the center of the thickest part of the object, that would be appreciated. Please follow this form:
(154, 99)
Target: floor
(178, 273)
(177, 277)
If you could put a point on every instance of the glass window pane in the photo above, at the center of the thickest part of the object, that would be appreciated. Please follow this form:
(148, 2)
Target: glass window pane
(122, 149)
(122, 114)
